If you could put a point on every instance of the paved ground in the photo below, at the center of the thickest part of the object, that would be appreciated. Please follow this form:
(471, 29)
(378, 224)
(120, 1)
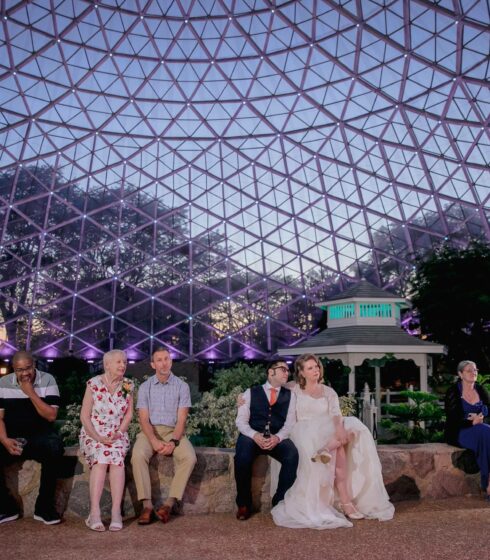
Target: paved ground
(457, 528)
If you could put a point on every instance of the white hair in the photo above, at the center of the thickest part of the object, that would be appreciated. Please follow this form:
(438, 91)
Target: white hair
(111, 355)
(463, 364)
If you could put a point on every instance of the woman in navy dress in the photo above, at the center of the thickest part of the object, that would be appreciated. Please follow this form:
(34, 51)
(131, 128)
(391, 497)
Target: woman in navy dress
(467, 404)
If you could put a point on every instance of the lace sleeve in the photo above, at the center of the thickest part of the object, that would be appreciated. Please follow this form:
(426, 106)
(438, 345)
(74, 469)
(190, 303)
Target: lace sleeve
(333, 401)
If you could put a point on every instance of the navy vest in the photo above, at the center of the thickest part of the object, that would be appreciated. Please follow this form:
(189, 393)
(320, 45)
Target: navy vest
(261, 412)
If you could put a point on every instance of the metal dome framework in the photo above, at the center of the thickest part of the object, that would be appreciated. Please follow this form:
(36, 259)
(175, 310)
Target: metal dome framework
(199, 173)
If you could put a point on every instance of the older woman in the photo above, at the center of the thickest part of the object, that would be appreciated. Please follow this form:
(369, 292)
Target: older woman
(467, 405)
(332, 451)
(106, 413)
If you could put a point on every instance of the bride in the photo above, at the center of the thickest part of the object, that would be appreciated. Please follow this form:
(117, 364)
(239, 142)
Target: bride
(332, 451)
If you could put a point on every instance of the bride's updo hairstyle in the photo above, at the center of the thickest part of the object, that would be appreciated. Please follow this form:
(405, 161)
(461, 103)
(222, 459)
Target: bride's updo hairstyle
(299, 365)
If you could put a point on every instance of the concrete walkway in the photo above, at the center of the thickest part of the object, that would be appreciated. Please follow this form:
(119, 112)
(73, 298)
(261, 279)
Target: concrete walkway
(456, 528)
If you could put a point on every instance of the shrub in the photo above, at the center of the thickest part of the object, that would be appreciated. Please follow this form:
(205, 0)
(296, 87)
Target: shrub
(212, 421)
(241, 375)
(421, 407)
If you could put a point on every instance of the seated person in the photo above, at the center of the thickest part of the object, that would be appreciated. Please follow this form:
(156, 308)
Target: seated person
(467, 405)
(29, 401)
(163, 405)
(264, 421)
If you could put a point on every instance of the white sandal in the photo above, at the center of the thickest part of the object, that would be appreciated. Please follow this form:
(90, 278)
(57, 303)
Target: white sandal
(95, 525)
(116, 525)
(355, 514)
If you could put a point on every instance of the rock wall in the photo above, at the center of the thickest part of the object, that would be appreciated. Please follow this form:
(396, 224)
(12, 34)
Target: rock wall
(409, 471)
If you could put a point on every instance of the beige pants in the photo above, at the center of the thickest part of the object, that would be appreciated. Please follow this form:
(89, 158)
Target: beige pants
(184, 458)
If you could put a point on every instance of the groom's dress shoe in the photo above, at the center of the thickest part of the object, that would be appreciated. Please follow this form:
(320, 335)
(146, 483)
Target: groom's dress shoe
(146, 516)
(243, 513)
(163, 513)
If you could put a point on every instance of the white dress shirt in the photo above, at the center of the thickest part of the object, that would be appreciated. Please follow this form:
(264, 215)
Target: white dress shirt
(243, 415)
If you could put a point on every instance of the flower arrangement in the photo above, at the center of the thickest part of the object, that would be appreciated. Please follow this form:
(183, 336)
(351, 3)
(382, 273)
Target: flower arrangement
(348, 405)
(127, 387)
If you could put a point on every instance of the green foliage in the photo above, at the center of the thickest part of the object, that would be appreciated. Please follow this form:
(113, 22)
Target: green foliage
(450, 292)
(240, 375)
(71, 376)
(404, 434)
(421, 407)
(484, 379)
(440, 382)
(212, 421)
(381, 362)
(70, 429)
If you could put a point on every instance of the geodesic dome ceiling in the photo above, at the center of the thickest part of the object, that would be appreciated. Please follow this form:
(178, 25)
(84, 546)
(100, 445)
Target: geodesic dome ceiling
(199, 173)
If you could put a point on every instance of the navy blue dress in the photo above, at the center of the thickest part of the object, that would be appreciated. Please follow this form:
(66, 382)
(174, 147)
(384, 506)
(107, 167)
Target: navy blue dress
(477, 438)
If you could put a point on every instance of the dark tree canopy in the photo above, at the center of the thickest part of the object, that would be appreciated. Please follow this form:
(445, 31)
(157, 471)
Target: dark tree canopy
(451, 291)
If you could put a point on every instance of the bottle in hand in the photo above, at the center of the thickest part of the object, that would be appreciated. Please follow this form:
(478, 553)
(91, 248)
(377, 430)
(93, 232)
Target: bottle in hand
(267, 430)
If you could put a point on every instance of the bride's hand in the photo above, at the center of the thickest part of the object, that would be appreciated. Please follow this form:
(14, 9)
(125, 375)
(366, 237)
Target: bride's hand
(342, 436)
(240, 400)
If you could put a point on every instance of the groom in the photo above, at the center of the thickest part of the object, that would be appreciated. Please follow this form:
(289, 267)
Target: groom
(264, 422)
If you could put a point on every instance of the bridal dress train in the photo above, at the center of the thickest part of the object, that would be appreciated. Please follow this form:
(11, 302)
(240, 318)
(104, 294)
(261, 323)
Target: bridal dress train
(309, 503)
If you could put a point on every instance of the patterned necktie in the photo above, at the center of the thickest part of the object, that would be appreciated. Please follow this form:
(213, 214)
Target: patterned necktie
(273, 396)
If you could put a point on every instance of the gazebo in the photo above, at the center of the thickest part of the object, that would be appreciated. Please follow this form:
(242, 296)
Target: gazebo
(364, 323)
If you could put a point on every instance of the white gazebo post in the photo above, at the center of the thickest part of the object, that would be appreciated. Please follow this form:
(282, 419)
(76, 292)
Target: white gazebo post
(421, 362)
(352, 374)
(377, 385)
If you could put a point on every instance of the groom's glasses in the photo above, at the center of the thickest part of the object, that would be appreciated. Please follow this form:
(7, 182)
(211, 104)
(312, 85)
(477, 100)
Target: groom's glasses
(281, 368)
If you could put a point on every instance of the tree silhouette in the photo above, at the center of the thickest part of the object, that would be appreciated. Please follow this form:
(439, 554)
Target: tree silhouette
(450, 292)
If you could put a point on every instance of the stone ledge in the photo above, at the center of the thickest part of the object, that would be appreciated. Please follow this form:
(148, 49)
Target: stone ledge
(410, 472)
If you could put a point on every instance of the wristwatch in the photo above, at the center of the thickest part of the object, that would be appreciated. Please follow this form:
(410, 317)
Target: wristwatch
(175, 442)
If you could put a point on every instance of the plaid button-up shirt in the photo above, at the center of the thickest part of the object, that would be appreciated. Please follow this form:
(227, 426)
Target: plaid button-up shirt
(162, 400)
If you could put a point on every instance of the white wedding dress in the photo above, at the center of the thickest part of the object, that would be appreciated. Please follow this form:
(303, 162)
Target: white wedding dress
(309, 503)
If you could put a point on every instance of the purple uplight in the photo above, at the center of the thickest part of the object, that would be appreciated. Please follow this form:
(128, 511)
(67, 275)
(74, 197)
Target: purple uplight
(132, 355)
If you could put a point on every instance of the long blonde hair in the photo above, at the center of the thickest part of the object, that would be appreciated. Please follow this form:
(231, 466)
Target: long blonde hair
(299, 365)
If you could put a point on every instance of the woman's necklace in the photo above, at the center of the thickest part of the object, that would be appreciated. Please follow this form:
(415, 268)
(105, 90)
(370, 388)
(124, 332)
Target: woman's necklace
(111, 385)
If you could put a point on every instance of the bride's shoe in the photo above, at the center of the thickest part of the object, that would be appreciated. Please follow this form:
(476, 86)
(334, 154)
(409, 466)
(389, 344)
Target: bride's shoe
(322, 457)
(353, 514)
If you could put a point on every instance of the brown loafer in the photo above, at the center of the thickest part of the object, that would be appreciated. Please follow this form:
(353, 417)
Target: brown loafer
(146, 516)
(163, 513)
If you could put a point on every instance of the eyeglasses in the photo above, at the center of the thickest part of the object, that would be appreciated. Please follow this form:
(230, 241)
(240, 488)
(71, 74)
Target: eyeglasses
(282, 368)
(24, 369)
(470, 370)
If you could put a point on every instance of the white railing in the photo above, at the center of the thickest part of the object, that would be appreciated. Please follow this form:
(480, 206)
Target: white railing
(368, 411)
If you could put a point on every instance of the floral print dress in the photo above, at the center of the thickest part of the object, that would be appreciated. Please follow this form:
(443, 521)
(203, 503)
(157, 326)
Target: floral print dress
(107, 415)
